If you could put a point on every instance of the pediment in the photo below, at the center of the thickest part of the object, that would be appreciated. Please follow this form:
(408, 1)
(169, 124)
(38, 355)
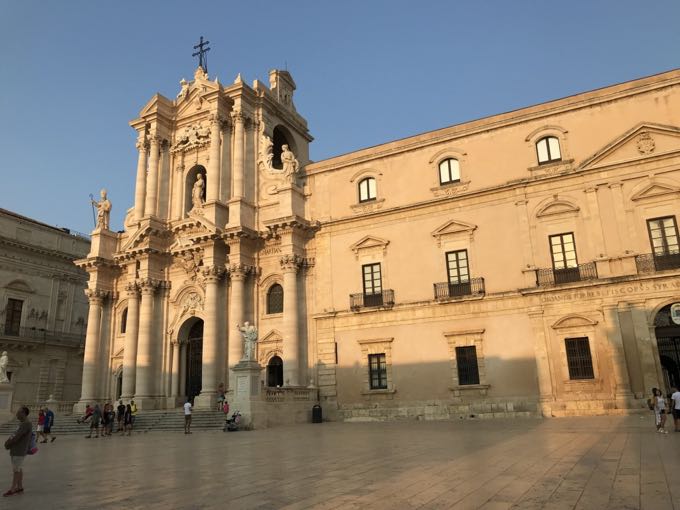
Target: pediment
(20, 286)
(644, 141)
(271, 337)
(191, 230)
(654, 190)
(369, 243)
(453, 228)
(158, 104)
(556, 206)
(574, 321)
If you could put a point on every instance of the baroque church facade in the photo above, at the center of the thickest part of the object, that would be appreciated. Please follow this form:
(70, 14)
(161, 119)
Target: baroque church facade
(525, 263)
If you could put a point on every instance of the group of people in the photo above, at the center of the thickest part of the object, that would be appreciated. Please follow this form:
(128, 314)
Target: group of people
(662, 407)
(105, 417)
(45, 423)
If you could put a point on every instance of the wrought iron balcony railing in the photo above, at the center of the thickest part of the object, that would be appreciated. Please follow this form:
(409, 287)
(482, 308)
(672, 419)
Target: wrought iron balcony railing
(384, 298)
(652, 262)
(446, 290)
(550, 277)
(43, 334)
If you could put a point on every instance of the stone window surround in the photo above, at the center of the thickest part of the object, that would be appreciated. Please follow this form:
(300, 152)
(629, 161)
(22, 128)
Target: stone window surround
(561, 333)
(264, 292)
(25, 307)
(372, 204)
(537, 134)
(465, 338)
(376, 346)
(121, 306)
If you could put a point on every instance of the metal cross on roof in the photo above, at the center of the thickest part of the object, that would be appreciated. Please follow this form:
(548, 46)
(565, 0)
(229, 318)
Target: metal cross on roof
(202, 54)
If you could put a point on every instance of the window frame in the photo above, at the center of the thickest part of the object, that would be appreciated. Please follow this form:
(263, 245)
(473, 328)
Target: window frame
(12, 318)
(449, 171)
(580, 367)
(468, 374)
(564, 253)
(267, 299)
(380, 370)
(664, 239)
(457, 266)
(368, 197)
(123, 321)
(550, 159)
(372, 266)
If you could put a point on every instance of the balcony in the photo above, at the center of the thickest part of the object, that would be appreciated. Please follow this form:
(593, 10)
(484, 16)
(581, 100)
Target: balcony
(652, 262)
(380, 299)
(551, 277)
(44, 335)
(446, 290)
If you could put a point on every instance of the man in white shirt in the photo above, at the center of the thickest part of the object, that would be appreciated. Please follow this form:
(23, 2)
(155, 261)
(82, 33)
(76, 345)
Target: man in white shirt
(187, 417)
(675, 398)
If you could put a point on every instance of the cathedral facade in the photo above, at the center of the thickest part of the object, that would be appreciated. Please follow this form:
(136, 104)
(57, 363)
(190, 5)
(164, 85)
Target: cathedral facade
(521, 264)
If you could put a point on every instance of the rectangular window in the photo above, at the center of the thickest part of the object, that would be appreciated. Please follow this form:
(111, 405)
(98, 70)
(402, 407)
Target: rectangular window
(466, 361)
(377, 371)
(663, 235)
(13, 316)
(457, 266)
(563, 251)
(372, 281)
(578, 358)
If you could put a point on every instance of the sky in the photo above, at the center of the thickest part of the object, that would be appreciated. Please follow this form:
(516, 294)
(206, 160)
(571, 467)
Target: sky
(74, 73)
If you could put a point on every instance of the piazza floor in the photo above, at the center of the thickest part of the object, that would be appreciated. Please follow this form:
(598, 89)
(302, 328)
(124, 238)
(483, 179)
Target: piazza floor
(585, 463)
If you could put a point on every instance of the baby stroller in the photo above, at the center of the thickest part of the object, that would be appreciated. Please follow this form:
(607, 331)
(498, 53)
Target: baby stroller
(232, 424)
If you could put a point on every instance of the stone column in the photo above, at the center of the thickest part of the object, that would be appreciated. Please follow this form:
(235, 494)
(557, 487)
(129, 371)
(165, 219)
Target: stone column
(291, 330)
(545, 385)
(144, 383)
(182, 368)
(213, 178)
(151, 204)
(212, 357)
(140, 185)
(174, 384)
(649, 358)
(237, 274)
(618, 356)
(131, 335)
(237, 190)
(92, 346)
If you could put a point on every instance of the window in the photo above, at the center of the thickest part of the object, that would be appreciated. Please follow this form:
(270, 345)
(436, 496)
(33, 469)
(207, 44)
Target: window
(548, 149)
(457, 267)
(663, 234)
(367, 189)
(563, 251)
(13, 316)
(466, 361)
(578, 358)
(372, 284)
(377, 371)
(275, 299)
(449, 171)
(123, 321)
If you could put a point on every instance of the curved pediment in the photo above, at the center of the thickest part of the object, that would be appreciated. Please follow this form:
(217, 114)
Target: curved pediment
(20, 286)
(556, 206)
(574, 321)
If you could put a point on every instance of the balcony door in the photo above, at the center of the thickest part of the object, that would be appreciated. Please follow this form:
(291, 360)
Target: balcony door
(372, 277)
(663, 235)
(563, 253)
(458, 272)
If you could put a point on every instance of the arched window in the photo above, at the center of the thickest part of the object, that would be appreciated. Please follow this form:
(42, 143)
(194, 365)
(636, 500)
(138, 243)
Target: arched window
(449, 171)
(275, 299)
(367, 189)
(123, 322)
(548, 149)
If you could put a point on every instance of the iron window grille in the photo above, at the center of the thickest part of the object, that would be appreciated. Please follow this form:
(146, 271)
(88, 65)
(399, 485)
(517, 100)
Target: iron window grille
(377, 371)
(579, 360)
(466, 361)
(275, 299)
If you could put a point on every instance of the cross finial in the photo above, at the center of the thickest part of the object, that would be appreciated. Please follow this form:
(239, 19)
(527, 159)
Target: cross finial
(202, 54)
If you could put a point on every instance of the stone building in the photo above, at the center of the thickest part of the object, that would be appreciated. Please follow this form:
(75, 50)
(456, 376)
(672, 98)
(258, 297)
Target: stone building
(43, 309)
(523, 263)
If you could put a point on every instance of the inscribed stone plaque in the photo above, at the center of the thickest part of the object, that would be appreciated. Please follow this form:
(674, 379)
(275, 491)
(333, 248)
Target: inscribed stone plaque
(242, 385)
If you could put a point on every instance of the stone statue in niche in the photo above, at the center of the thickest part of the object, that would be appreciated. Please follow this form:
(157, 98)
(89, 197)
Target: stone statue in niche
(198, 192)
(290, 163)
(249, 334)
(4, 360)
(103, 211)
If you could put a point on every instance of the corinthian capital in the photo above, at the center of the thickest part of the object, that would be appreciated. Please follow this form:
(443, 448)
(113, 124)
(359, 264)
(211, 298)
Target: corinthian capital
(142, 143)
(96, 296)
(238, 270)
(213, 273)
(132, 289)
(290, 262)
(148, 286)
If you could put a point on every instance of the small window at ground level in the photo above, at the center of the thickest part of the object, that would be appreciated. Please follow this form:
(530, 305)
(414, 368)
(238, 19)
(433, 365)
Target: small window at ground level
(275, 299)
(449, 171)
(377, 371)
(367, 189)
(466, 361)
(578, 358)
(548, 149)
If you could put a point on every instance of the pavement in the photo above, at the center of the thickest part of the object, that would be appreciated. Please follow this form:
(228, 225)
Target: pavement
(560, 463)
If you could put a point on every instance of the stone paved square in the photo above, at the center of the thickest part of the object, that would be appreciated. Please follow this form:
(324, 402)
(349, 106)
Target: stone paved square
(580, 463)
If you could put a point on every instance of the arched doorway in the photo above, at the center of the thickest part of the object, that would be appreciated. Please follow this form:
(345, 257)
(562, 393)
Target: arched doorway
(275, 372)
(194, 359)
(668, 342)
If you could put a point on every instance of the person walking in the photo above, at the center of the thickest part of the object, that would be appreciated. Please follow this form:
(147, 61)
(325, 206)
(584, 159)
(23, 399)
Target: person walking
(659, 411)
(675, 404)
(95, 420)
(187, 416)
(49, 423)
(41, 424)
(121, 415)
(127, 420)
(18, 445)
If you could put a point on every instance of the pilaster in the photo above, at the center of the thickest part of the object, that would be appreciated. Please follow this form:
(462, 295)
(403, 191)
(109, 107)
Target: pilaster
(290, 264)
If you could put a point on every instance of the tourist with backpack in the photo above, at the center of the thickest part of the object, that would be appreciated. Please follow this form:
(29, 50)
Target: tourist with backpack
(18, 445)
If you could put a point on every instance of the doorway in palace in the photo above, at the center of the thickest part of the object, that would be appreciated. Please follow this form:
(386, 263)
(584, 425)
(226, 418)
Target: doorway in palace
(668, 342)
(194, 359)
(275, 372)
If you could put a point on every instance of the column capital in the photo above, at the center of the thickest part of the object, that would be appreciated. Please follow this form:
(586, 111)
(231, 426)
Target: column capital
(148, 286)
(290, 263)
(132, 289)
(239, 271)
(213, 274)
(96, 296)
(142, 143)
(237, 116)
(155, 140)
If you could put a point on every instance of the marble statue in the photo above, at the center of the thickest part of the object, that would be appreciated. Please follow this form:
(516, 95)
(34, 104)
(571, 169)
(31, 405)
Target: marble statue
(3, 367)
(249, 334)
(103, 211)
(266, 152)
(197, 192)
(290, 163)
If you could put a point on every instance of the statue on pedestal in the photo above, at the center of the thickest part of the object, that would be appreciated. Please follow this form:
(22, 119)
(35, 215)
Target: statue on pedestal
(290, 163)
(4, 360)
(103, 211)
(249, 334)
(197, 192)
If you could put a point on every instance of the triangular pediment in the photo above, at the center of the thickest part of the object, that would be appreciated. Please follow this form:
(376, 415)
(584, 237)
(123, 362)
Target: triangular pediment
(191, 230)
(556, 206)
(654, 190)
(158, 104)
(454, 227)
(273, 336)
(644, 141)
(369, 242)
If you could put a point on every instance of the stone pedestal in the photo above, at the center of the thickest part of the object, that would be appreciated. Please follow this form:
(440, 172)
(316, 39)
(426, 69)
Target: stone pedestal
(6, 394)
(246, 396)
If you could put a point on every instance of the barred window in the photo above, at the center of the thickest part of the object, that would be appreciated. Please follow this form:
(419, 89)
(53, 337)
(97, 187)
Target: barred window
(578, 358)
(466, 360)
(377, 371)
(275, 299)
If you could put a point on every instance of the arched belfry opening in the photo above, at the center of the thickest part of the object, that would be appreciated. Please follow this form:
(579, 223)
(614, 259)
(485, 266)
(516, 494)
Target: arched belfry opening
(281, 137)
(190, 182)
(275, 372)
(191, 334)
(668, 342)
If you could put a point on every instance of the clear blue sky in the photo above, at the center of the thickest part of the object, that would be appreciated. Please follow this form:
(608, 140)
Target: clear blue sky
(73, 73)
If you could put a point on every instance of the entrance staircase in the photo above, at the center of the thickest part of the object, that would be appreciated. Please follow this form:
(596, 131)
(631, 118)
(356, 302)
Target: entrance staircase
(146, 421)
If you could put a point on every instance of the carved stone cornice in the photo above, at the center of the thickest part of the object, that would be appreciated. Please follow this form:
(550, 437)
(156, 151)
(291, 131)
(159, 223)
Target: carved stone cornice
(291, 262)
(290, 224)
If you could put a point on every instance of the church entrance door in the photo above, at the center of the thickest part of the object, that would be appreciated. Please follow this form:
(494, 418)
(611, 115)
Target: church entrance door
(668, 343)
(275, 372)
(194, 360)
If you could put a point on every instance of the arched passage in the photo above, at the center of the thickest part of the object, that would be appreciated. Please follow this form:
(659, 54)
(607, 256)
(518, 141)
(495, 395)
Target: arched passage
(281, 137)
(668, 343)
(191, 335)
(275, 372)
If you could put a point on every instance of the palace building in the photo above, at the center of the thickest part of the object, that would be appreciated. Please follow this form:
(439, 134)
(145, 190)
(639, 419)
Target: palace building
(521, 264)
